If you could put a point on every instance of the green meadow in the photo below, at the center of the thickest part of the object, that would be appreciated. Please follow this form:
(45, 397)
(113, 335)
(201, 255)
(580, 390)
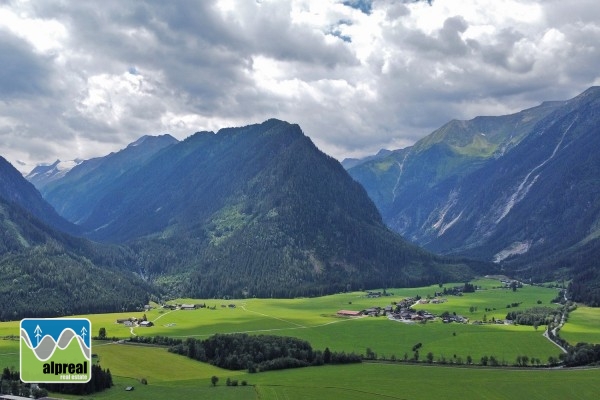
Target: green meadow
(315, 320)
(172, 376)
(9, 352)
(583, 326)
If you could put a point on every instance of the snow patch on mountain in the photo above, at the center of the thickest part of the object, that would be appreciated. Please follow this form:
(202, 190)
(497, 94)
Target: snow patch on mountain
(43, 174)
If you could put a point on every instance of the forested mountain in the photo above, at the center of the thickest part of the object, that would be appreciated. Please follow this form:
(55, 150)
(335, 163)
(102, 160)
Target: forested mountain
(83, 185)
(257, 210)
(520, 190)
(44, 272)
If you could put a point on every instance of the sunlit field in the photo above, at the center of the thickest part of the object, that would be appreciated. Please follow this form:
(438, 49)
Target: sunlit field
(583, 326)
(315, 320)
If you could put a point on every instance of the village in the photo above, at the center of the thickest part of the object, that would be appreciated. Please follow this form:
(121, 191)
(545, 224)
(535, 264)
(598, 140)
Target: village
(403, 311)
(400, 311)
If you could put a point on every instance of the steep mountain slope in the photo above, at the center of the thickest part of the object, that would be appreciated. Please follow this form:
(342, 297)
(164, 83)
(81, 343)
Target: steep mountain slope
(15, 189)
(44, 272)
(400, 183)
(85, 183)
(519, 189)
(257, 210)
(524, 201)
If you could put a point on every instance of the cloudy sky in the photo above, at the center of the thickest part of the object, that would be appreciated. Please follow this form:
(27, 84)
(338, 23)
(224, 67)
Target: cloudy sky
(84, 78)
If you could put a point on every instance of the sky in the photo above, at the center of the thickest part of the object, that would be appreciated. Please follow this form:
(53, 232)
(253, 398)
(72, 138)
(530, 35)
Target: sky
(81, 79)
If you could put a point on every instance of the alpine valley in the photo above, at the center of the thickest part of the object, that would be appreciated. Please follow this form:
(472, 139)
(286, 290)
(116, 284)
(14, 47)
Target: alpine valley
(520, 190)
(260, 211)
(250, 211)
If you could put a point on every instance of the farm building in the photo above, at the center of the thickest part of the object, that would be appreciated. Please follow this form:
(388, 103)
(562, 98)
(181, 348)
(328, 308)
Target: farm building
(348, 313)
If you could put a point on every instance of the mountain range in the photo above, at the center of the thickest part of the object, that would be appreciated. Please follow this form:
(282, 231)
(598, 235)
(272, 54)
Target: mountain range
(250, 211)
(520, 190)
(260, 211)
(84, 183)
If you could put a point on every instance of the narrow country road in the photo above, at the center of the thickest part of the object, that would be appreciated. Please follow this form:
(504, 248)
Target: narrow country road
(560, 325)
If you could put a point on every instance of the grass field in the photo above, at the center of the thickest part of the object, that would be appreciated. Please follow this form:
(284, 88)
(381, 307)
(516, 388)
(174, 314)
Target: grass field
(9, 353)
(381, 381)
(315, 320)
(173, 376)
(583, 326)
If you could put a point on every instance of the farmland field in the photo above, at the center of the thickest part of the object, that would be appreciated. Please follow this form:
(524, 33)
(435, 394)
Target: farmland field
(583, 326)
(315, 320)
(173, 376)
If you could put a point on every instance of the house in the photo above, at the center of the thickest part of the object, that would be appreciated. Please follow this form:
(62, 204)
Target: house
(231, 306)
(146, 324)
(348, 313)
(187, 307)
(373, 311)
(122, 320)
(129, 388)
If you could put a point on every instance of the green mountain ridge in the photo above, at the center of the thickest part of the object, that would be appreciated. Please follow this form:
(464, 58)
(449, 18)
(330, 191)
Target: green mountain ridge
(256, 210)
(520, 190)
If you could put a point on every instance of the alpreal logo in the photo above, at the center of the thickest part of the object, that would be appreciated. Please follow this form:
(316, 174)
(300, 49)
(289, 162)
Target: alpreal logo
(56, 350)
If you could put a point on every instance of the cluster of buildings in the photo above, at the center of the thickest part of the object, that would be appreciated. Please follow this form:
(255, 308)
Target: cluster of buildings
(402, 311)
(133, 322)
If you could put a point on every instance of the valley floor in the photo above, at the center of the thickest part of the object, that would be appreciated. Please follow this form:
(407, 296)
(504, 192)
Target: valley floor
(172, 376)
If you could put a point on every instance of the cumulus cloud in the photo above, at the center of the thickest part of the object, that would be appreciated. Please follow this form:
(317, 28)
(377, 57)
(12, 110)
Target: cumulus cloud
(81, 79)
(23, 73)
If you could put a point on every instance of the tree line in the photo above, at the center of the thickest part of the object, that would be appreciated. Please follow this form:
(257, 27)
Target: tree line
(101, 379)
(535, 316)
(256, 353)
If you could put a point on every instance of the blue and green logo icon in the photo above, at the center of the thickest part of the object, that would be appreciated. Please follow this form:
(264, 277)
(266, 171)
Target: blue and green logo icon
(56, 350)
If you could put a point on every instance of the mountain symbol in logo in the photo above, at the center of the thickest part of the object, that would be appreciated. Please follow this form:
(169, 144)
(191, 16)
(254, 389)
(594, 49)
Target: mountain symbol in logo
(46, 347)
